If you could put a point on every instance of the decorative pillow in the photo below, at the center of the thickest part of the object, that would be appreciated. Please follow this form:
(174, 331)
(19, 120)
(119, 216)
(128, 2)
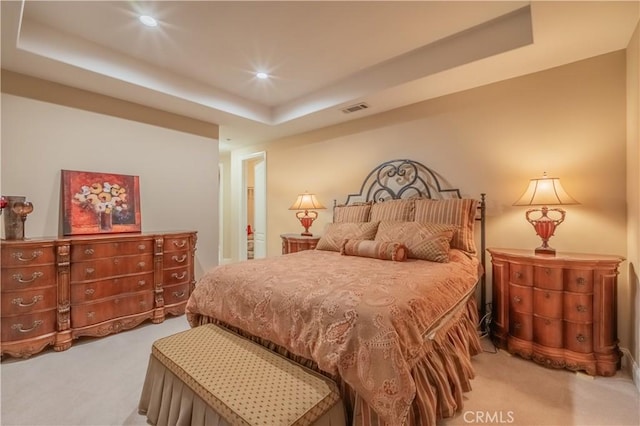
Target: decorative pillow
(397, 210)
(428, 241)
(352, 213)
(376, 249)
(460, 212)
(335, 233)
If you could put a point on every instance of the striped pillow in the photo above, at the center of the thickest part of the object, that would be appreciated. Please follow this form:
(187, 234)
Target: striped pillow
(397, 210)
(459, 212)
(427, 241)
(335, 233)
(375, 249)
(352, 213)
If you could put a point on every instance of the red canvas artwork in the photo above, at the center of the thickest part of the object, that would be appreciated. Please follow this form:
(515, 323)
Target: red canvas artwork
(97, 203)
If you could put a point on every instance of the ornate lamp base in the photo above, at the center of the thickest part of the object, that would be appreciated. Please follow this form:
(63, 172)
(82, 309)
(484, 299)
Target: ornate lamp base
(545, 227)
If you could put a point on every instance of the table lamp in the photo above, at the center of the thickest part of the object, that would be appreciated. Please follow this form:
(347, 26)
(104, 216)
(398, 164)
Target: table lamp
(545, 192)
(303, 204)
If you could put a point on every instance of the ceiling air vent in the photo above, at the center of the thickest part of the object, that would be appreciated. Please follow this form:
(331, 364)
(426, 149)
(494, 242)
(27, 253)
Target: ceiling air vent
(354, 108)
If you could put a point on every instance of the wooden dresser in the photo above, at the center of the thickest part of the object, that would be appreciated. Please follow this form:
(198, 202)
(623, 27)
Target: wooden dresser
(559, 311)
(293, 243)
(55, 290)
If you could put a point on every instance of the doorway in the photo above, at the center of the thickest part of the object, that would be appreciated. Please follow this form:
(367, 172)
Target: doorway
(253, 243)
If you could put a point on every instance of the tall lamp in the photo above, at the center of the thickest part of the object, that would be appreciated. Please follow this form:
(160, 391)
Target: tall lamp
(545, 191)
(304, 203)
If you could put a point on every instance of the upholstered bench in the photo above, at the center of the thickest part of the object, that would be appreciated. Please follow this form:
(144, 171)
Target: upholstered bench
(210, 376)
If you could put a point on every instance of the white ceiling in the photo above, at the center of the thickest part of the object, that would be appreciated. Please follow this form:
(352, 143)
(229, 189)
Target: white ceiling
(322, 55)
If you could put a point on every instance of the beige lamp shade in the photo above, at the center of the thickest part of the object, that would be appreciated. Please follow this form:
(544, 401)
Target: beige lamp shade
(307, 201)
(545, 191)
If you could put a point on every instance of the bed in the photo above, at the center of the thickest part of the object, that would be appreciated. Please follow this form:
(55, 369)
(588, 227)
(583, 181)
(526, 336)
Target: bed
(385, 305)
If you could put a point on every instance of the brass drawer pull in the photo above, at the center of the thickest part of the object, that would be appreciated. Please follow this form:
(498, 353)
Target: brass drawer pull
(547, 295)
(580, 281)
(143, 303)
(18, 301)
(141, 265)
(35, 325)
(179, 294)
(180, 244)
(141, 283)
(179, 277)
(547, 271)
(116, 260)
(89, 251)
(89, 271)
(518, 275)
(34, 255)
(179, 259)
(34, 276)
(141, 247)
(581, 308)
(517, 325)
(89, 291)
(91, 315)
(580, 338)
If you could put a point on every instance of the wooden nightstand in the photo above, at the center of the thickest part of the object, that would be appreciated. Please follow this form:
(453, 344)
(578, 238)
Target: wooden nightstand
(293, 243)
(559, 311)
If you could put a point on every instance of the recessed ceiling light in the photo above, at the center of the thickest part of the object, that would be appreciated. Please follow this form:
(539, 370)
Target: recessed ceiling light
(148, 21)
(262, 75)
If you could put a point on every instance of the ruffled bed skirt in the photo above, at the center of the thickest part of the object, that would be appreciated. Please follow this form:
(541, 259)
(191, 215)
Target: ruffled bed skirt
(441, 376)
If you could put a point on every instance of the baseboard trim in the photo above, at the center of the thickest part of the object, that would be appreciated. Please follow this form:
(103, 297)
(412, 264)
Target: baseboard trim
(632, 365)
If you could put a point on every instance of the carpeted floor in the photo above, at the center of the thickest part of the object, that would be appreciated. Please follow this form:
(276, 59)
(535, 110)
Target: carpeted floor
(98, 382)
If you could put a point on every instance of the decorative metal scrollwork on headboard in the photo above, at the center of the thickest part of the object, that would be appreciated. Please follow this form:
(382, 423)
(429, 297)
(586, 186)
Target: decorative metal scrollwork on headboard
(401, 179)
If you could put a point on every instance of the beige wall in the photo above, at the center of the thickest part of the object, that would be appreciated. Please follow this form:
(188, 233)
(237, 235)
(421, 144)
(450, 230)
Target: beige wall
(568, 121)
(633, 195)
(178, 170)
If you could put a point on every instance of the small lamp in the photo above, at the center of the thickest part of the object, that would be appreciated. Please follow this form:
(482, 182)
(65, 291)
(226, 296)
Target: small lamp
(304, 203)
(545, 192)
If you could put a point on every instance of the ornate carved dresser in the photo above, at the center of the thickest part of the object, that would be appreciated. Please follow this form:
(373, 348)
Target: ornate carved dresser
(55, 290)
(559, 311)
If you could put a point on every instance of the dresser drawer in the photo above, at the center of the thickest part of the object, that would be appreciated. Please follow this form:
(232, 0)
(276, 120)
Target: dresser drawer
(107, 309)
(578, 280)
(547, 303)
(95, 290)
(520, 326)
(578, 337)
(28, 277)
(175, 276)
(111, 267)
(578, 307)
(29, 325)
(176, 244)
(520, 299)
(547, 331)
(27, 255)
(176, 294)
(548, 277)
(27, 301)
(176, 259)
(520, 274)
(89, 251)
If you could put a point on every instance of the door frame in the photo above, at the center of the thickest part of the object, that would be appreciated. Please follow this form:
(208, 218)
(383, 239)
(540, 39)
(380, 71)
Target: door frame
(242, 232)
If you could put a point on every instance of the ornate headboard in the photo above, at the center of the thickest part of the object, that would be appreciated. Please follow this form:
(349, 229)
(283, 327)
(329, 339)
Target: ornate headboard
(401, 179)
(406, 179)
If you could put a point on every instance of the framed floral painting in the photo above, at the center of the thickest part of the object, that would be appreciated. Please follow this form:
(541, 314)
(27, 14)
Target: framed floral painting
(97, 203)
